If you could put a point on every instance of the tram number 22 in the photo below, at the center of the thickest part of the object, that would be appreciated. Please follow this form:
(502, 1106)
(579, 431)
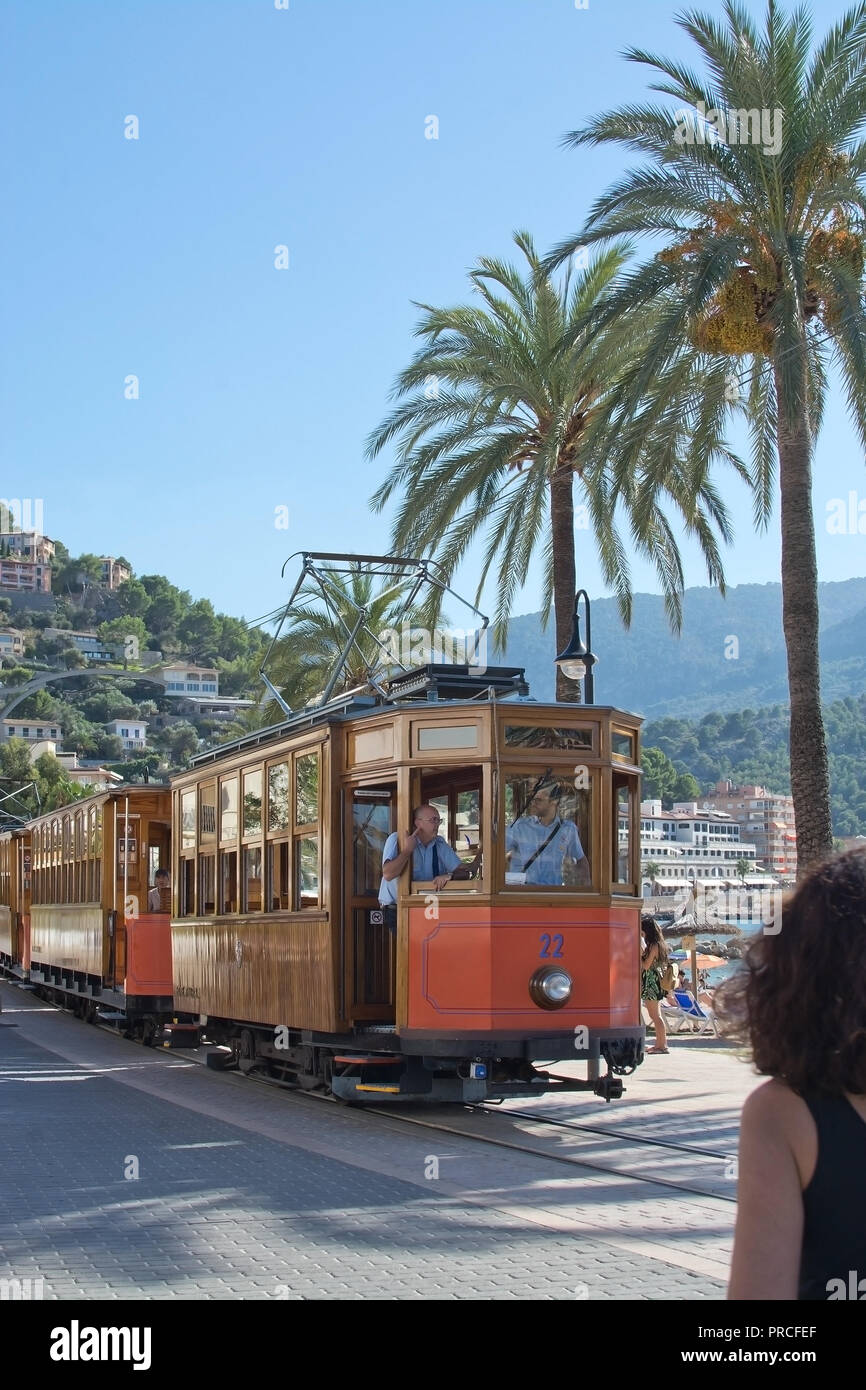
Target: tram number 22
(551, 946)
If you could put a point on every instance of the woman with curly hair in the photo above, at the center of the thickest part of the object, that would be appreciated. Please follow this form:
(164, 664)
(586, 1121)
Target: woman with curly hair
(654, 959)
(800, 1004)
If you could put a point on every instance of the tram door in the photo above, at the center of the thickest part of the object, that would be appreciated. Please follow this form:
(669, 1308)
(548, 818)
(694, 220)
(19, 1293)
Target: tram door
(372, 818)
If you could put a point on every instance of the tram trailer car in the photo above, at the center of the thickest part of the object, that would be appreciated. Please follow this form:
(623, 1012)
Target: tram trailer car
(279, 949)
(75, 921)
(15, 903)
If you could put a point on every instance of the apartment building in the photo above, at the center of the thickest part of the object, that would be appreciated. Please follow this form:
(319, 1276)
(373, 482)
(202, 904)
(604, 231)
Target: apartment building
(764, 817)
(114, 572)
(187, 679)
(25, 576)
(33, 730)
(27, 545)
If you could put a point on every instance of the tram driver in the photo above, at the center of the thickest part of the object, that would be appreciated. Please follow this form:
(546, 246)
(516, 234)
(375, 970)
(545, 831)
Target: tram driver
(433, 860)
(542, 847)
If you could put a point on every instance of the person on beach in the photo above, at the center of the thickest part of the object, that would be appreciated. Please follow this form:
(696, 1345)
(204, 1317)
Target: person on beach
(654, 959)
(800, 1004)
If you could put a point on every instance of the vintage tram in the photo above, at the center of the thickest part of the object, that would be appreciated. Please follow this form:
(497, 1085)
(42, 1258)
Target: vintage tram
(79, 920)
(280, 952)
(276, 949)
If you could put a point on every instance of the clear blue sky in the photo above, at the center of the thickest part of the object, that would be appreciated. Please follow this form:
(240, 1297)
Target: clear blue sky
(155, 256)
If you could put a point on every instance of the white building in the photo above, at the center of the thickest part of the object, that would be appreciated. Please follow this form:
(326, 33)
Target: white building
(131, 732)
(187, 679)
(33, 730)
(694, 847)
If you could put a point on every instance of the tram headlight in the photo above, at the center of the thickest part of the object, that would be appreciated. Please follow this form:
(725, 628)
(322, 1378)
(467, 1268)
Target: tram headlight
(550, 987)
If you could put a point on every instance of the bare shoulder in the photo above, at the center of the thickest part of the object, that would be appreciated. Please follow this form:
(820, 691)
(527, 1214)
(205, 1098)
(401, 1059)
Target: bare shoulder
(777, 1117)
(774, 1103)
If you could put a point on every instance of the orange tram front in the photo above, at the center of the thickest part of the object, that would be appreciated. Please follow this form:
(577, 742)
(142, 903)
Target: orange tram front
(282, 953)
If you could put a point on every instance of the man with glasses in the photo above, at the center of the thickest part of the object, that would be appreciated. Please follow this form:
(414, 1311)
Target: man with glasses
(433, 860)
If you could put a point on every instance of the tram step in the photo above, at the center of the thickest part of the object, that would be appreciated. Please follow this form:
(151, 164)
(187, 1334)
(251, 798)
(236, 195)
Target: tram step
(378, 1060)
(387, 1090)
(110, 1016)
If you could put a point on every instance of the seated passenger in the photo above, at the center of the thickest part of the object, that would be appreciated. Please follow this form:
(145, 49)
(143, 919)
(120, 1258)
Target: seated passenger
(541, 844)
(433, 860)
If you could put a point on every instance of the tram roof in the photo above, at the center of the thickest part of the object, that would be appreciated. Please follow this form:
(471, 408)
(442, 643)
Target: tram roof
(421, 688)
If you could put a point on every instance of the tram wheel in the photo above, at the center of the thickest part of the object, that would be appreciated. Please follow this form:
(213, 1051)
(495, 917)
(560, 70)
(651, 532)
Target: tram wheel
(148, 1033)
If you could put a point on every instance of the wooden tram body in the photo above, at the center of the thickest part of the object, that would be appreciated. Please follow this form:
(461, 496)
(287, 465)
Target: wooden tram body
(279, 949)
(86, 937)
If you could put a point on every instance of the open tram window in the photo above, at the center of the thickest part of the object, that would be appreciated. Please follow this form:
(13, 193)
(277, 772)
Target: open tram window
(229, 880)
(187, 887)
(547, 819)
(251, 880)
(279, 882)
(456, 796)
(278, 797)
(207, 885)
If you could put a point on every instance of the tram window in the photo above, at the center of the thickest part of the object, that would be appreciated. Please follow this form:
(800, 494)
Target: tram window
(229, 809)
(187, 819)
(279, 883)
(547, 830)
(307, 871)
(622, 831)
(187, 887)
(228, 881)
(207, 884)
(252, 878)
(278, 797)
(540, 736)
(307, 789)
(207, 813)
(371, 826)
(253, 802)
(440, 804)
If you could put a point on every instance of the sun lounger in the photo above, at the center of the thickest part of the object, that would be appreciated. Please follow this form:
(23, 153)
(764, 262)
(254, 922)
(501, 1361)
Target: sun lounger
(688, 1013)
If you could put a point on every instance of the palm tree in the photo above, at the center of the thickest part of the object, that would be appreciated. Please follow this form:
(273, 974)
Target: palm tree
(754, 185)
(494, 426)
(743, 866)
(651, 871)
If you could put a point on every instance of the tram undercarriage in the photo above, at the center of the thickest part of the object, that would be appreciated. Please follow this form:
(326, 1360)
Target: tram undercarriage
(438, 1071)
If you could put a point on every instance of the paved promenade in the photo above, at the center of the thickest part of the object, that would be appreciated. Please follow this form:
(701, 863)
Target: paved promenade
(130, 1173)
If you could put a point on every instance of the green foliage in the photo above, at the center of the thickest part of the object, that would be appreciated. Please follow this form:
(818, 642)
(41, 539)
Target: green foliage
(752, 747)
(53, 786)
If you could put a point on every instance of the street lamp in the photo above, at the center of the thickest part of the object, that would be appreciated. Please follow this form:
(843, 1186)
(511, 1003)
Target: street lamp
(577, 661)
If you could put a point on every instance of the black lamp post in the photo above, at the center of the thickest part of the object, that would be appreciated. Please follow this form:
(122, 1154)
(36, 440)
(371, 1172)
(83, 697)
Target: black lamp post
(577, 661)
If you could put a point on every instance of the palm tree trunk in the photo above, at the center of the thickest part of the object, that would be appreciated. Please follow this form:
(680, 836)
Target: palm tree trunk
(810, 779)
(562, 533)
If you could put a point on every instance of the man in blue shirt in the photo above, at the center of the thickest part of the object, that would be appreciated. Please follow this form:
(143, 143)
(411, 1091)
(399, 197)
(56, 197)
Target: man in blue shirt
(433, 860)
(541, 843)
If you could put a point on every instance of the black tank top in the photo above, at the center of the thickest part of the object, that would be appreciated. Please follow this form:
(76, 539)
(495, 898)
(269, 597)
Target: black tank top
(834, 1204)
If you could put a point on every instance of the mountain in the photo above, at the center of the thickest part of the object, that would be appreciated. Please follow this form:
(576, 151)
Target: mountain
(730, 655)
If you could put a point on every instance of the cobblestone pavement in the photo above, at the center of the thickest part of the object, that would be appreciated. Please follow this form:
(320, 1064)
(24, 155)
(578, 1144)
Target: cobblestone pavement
(129, 1173)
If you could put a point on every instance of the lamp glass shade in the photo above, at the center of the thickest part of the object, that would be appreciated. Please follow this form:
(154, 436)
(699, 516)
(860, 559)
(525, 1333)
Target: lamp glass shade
(575, 670)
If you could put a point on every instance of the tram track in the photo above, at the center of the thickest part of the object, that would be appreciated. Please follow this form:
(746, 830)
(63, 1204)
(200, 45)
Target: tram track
(538, 1151)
